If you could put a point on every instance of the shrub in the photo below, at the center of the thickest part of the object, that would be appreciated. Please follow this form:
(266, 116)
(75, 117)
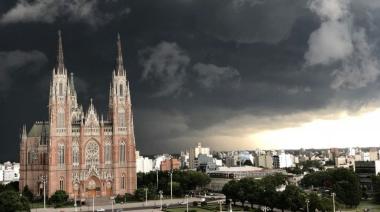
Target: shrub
(119, 198)
(195, 203)
(204, 203)
(59, 198)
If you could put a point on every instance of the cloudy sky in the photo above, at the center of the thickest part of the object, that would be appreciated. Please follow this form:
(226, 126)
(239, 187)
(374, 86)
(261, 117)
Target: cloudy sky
(232, 74)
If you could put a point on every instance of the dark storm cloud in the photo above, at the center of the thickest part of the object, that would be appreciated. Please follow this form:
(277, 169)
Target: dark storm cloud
(165, 65)
(48, 11)
(19, 63)
(250, 21)
(211, 71)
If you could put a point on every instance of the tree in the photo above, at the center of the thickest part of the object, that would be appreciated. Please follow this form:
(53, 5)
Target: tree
(140, 193)
(376, 188)
(230, 190)
(59, 198)
(342, 181)
(295, 197)
(27, 193)
(13, 201)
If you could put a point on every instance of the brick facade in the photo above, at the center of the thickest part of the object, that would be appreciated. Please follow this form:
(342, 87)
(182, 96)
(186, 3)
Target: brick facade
(81, 152)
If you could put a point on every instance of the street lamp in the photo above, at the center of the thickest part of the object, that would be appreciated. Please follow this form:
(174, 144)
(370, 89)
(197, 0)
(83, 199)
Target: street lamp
(307, 205)
(333, 199)
(146, 196)
(171, 184)
(160, 199)
(157, 177)
(44, 180)
(112, 199)
(220, 205)
(187, 202)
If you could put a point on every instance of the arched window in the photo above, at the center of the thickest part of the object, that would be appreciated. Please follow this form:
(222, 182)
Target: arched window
(60, 89)
(122, 181)
(92, 153)
(121, 119)
(61, 183)
(61, 155)
(61, 120)
(75, 154)
(122, 152)
(107, 153)
(121, 90)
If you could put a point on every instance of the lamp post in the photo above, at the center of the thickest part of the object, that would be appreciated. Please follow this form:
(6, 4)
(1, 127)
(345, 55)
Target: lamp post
(307, 205)
(171, 184)
(157, 177)
(230, 205)
(75, 201)
(112, 199)
(44, 180)
(93, 203)
(187, 202)
(333, 199)
(146, 196)
(160, 199)
(220, 205)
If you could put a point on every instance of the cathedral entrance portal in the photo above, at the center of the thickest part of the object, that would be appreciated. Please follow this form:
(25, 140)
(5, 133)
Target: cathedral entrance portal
(93, 187)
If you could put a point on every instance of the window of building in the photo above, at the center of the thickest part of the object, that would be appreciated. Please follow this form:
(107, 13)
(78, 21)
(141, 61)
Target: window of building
(61, 183)
(122, 152)
(121, 90)
(75, 154)
(60, 120)
(60, 89)
(121, 119)
(107, 153)
(92, 153)
(122, 181)
(61, 154)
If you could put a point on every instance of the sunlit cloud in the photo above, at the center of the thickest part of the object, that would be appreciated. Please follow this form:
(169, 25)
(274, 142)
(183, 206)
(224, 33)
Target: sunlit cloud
(344, 131)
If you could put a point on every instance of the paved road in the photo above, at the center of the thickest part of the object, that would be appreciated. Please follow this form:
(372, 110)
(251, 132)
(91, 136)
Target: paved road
(153, 205)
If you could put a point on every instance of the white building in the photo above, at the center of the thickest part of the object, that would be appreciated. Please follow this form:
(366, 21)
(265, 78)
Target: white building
(286, 160)
(9, 172)
(201, 150)
(143, 164)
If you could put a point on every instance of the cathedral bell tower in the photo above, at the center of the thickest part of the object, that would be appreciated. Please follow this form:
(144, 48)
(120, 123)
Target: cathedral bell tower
(120, 113)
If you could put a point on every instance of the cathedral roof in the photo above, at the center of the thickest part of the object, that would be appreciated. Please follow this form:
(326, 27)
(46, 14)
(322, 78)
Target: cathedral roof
(40, 128)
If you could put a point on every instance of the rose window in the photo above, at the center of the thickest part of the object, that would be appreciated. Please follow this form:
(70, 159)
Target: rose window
(92, 154)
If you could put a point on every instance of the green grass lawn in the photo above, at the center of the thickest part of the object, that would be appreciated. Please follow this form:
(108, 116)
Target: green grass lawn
(365, 204)
(208, 208)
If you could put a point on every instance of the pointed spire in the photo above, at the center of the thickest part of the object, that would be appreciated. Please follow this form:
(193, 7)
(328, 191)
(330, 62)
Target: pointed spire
(60, 63)
(23, 135)
(119, 58)
(72, 87)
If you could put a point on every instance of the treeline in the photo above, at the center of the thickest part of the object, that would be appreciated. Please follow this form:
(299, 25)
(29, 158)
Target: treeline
(265, 192)
(183, 182)
(343, 182)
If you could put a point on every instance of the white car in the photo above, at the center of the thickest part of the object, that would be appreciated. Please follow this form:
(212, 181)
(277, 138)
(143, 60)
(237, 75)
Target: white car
(100, 209)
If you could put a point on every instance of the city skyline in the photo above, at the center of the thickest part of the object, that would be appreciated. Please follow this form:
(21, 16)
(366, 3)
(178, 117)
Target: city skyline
(240, 74)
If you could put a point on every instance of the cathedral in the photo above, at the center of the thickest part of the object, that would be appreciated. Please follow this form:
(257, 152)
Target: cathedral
(79, 151)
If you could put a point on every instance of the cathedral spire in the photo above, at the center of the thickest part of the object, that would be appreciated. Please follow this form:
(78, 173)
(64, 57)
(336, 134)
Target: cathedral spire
(119, 58)
(60, 63)
(72, 87)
